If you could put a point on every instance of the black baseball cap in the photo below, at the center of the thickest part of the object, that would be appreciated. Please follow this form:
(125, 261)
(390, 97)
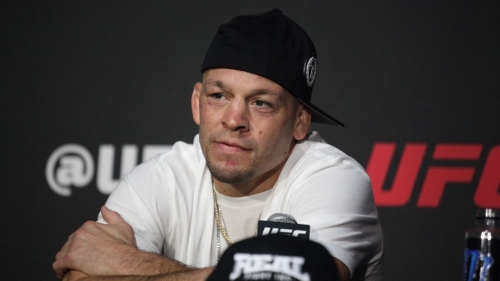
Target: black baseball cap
(276, 257)
(273, 46)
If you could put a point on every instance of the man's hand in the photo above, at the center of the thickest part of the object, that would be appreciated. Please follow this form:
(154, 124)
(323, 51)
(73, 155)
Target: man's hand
(74, 275)
(98, 249)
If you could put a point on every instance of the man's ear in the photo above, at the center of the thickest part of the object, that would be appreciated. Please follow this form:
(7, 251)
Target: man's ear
(303, 122)
(195, 102)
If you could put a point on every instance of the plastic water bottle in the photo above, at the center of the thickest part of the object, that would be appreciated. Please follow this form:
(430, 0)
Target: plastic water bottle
(482, 247)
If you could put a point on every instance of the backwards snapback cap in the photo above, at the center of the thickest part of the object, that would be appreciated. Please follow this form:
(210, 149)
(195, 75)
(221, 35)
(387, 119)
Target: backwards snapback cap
(276, 257)
(273, 46)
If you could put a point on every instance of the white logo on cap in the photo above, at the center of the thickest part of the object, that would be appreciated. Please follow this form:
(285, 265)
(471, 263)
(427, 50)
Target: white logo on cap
(310, 71)
(258, 266)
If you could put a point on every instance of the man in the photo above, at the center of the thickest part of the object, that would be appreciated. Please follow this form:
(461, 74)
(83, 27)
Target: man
(174, 215)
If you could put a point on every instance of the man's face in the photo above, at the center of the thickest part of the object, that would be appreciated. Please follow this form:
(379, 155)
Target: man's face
(247, 124)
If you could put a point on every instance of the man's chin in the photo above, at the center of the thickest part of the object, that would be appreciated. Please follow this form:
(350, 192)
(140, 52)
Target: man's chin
(230, 175)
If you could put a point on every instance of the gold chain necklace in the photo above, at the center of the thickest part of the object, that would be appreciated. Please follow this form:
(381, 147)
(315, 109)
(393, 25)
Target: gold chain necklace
(221, 227)
(220, 220)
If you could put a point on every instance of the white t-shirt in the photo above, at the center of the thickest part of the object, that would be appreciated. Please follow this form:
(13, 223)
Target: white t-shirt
(169, 202)
(241, 215)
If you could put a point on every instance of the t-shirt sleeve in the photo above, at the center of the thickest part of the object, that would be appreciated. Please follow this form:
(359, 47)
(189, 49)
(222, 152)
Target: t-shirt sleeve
(135, 199)
(335, 198)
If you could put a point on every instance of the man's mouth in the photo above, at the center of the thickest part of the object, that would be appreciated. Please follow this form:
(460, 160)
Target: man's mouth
(230, 147)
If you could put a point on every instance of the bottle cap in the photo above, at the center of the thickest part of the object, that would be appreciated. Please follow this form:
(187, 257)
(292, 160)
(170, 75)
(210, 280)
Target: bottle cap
(488, 213)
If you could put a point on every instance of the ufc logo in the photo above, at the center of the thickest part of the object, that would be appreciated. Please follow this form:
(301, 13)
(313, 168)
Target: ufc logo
(275, 230)
(436, 177)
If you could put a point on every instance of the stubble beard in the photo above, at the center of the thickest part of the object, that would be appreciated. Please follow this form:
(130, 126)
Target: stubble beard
(231, 176)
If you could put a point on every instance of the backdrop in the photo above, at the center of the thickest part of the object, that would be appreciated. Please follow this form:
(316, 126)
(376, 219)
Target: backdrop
(90, 89)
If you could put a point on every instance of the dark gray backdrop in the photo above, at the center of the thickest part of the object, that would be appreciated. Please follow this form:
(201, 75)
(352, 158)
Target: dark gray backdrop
(119, 73)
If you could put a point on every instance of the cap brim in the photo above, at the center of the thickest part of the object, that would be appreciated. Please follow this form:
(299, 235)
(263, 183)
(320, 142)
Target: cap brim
(319, 116)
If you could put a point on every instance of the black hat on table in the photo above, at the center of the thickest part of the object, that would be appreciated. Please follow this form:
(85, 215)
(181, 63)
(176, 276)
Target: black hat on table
(276, 257)
(273, 46)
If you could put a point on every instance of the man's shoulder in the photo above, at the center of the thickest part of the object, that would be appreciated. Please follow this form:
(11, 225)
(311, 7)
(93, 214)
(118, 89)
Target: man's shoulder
(180, 166)
(182, 160)
(181, 152)
(315, 151)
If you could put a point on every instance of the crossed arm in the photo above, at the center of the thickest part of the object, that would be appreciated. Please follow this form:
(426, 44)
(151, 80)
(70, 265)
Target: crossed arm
(109, 252)
(200, 274)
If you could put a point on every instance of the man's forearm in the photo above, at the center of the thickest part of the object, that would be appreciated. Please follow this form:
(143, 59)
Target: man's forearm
(144, 263)
(191, 275)
(110, 249)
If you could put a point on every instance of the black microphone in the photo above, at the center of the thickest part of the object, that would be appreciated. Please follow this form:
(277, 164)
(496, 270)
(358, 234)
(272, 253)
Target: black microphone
(285, 218)
(283, 224)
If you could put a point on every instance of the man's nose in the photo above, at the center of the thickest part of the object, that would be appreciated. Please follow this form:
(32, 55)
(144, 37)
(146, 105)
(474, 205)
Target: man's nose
(236, 116)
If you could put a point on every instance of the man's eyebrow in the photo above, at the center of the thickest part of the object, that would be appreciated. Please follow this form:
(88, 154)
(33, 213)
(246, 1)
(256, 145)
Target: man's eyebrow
(216, 83)
(257, 92)
(260, 92)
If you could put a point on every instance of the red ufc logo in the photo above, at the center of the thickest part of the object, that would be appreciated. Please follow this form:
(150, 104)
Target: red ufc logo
(436, 177)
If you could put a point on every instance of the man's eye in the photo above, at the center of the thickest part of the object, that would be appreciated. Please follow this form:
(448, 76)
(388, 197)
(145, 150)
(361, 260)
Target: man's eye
(260, 103)
(217, 96)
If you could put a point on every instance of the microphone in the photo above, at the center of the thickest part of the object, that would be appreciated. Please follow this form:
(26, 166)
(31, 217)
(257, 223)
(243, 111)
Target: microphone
(285, 218)
(283, 224)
